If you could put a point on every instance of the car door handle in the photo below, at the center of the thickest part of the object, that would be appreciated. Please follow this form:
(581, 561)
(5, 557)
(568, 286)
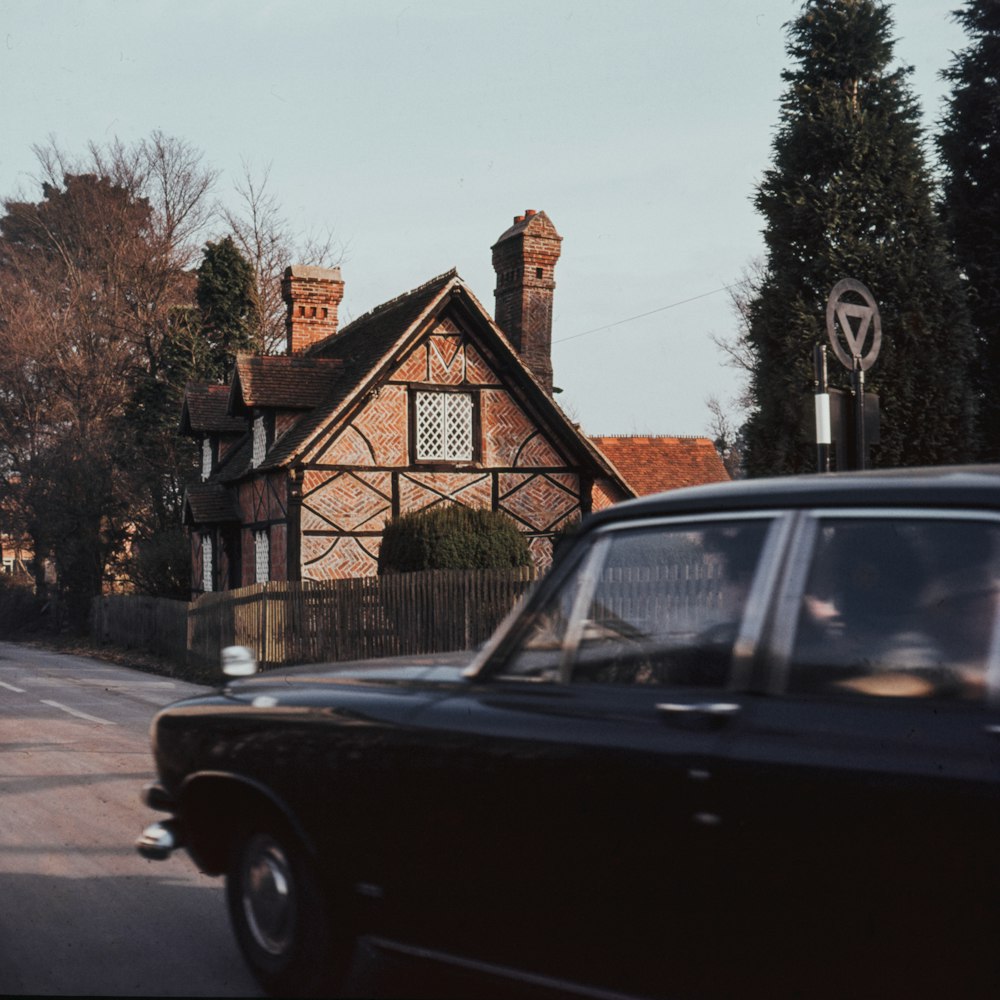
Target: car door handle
(698, 714)
(992, 730)
(717, 708)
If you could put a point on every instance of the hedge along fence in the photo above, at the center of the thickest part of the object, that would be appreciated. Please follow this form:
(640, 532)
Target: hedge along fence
(310, 622)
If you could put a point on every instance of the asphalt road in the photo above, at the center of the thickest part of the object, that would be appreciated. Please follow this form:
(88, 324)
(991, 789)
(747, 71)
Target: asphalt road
(80, 912)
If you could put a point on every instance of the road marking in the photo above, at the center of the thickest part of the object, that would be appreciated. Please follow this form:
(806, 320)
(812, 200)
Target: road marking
(109, 684)
(10, 687)
(79, 715)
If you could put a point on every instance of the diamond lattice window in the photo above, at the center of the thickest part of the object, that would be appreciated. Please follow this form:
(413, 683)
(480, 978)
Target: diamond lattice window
(259, 441)
(206, 563)
(206, 458)
(444, 426)
(262, 556)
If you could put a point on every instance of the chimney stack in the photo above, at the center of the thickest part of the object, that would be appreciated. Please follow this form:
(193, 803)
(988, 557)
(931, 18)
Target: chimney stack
(524, 259)
(312, 295)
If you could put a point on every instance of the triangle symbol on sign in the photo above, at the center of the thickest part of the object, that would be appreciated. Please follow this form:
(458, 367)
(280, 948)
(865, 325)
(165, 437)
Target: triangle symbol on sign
(847, 311)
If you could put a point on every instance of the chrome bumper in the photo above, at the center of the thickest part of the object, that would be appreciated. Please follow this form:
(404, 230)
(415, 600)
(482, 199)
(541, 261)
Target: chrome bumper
(159, 840)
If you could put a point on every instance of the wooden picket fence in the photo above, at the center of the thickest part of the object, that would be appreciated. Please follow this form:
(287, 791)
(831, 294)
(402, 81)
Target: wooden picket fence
(313, 622)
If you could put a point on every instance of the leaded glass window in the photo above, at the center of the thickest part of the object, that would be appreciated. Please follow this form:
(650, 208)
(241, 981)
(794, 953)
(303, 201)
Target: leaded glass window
(259, 440)
(206, 563)
(262, 556)
(206, 458)
(444, 426)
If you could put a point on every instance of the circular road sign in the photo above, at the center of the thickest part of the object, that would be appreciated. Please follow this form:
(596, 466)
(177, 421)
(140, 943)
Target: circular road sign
(848, 322)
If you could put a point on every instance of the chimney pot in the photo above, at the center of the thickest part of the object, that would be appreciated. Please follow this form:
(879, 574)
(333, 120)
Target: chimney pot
(529, 212)
(518, 218)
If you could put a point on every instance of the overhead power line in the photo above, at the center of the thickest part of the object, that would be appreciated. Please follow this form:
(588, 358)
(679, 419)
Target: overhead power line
(673, 305)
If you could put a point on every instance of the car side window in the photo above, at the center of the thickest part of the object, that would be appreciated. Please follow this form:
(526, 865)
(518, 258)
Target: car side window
(658, 605)
(899, 608)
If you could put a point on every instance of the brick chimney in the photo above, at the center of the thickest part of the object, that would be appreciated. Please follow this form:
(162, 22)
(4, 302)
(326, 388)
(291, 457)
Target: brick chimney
(524, 259)
(312, 295)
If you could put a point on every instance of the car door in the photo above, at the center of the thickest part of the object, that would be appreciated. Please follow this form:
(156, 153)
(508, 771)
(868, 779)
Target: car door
(867, 776)
(580, 799)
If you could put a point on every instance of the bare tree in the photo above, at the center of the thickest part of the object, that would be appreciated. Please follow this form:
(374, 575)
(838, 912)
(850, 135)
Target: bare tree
(727, 436)
(90, 278)
(265, 237)
(736, 347)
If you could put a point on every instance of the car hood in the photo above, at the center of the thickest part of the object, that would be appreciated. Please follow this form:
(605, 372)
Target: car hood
(438, 669)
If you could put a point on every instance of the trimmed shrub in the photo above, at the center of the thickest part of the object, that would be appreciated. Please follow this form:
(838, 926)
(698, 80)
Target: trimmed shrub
(452, 537)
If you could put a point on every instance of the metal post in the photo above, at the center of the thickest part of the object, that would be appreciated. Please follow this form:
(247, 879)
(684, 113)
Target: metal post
(858, 387)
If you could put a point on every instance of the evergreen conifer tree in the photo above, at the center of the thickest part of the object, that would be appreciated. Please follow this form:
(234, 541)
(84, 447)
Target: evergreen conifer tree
(969, 145)
(226, 296)
(849, 195)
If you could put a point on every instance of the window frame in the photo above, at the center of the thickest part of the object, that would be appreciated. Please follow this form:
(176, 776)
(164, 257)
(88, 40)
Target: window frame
(418, 389)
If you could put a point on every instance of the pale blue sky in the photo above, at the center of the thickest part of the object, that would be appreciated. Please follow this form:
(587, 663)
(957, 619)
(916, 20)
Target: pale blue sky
(417, 129)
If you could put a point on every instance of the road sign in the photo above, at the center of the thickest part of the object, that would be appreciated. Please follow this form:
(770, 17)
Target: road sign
(848, 323)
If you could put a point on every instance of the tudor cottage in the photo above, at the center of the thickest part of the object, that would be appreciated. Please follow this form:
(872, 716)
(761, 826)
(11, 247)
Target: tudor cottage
(424, 400)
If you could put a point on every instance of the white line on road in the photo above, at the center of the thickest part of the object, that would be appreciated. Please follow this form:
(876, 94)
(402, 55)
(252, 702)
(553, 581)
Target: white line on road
(79, 715)
(10, 687)
(122, 683)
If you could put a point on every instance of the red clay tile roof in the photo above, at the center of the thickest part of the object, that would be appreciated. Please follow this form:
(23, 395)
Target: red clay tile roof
(655, 464)
(284, 382)
(206, 410)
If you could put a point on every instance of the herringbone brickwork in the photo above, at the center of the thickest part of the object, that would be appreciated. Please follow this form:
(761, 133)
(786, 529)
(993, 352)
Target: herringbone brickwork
(344, 510)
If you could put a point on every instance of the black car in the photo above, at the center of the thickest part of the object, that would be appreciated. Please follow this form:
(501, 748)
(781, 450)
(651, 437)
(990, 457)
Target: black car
(743, 740)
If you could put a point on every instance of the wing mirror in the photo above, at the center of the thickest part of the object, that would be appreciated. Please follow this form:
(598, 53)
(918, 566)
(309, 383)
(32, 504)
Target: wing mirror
(238, 661)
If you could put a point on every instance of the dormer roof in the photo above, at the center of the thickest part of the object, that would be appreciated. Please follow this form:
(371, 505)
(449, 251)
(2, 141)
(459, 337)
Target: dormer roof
(209, 503)
(277, 381)
(205, 410)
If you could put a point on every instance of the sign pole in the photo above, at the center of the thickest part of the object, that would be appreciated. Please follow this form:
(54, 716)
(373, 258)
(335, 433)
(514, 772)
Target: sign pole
(822, 400)
(858, 387)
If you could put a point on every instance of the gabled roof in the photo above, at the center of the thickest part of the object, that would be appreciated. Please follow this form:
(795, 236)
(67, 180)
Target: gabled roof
(360, 348)
(209, 503)
(654, 464)
(337, 373)
(280, 381)
(206, 411)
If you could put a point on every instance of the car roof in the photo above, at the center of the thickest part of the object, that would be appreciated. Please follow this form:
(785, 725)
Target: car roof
(976, 486)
